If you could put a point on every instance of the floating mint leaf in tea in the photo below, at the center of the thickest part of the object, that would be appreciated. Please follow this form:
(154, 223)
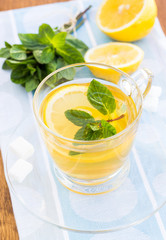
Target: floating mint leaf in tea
(101, 97)
(78, 117)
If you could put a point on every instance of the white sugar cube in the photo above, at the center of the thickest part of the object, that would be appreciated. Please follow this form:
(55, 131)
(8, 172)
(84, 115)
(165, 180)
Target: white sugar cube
(155, 91)
(22, 148)
(20, 170)
(151, 104)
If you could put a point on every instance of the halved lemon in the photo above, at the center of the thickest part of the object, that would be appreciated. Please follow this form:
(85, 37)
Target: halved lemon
(126, 20)
(124, 56)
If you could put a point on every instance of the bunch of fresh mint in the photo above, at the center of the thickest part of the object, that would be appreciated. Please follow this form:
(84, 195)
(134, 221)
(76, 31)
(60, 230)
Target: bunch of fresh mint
(42, 53)
(102, 99)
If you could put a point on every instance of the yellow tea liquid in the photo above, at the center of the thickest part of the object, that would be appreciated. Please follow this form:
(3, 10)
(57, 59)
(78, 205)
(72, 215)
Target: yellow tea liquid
(99, 160)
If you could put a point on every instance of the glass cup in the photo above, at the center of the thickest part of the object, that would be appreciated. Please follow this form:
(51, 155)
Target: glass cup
(104, 164)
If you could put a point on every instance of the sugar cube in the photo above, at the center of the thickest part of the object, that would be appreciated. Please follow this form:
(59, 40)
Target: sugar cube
(22, 148)
(20, 170)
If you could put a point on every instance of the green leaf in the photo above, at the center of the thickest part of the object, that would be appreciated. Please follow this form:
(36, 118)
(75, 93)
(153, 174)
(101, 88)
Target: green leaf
(78, 117)
(95, 126)
(59, 39)
(101, 97)
(39, 73)
(14, 64)
(61, 62)
(76, 43)
(46, 34)
(70, 54)
(30, 41)
(44, 56)
(18, 52)
(90, 134)
(68, 73)
(19, 75)
(95, 130)
(8, 45)
(80, 134)
(72, 153)
(31, 84)
(51, 66)
(5, 66)
(98, 130)
(31, 69)
(4, 53)
(107, 129)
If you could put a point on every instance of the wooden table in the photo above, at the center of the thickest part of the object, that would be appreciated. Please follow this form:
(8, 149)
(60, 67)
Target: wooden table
(8, 229)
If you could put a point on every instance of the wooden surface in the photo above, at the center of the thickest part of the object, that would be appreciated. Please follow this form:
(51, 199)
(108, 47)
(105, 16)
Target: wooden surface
(8, 229)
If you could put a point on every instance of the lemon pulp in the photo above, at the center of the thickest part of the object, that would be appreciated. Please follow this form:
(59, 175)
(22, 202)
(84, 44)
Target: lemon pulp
(124, 56)
(126, 20)
(116, 14)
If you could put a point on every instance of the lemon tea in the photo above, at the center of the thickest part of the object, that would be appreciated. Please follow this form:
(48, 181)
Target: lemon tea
(98, 162)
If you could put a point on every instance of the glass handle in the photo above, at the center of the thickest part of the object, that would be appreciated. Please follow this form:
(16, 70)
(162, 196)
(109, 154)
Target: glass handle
(143, 79)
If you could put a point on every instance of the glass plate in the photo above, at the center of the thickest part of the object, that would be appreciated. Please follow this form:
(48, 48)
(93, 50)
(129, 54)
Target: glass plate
(139, 197)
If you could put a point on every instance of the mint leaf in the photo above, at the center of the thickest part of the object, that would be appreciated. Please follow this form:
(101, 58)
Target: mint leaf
(107, 129)
(39, 73)
(95, 131)
(59, 39)
(77, 43)
(78, 117)
(14, 64)
(46, 34)
(51, 66)
(80, 134)
(8, 45)
(19, 75)
(31, 69)
(4, 53)
(101, 98)
(70, 54)
(18, 52)
(31, 84)
(68, 73)
(90, 134)
(5, 66)
(30, 41)
(44, 56)
(72, 153)
(95, 126)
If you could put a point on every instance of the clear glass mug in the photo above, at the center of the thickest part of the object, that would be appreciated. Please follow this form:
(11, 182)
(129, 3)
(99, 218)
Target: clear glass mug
(104, 164)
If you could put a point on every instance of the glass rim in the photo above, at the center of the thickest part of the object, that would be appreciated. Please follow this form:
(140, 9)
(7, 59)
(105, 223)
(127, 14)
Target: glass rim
(39, 120)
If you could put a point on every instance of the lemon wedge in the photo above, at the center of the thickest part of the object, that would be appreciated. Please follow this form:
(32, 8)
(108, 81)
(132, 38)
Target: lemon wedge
(126, 20)
(124, 56)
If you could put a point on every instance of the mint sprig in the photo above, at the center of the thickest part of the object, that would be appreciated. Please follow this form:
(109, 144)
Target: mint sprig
(41, 53)
(103, 100)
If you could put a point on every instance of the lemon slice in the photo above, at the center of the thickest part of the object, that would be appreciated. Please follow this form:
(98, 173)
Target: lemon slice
(124, 56)
(57, 102)
(126, 20)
